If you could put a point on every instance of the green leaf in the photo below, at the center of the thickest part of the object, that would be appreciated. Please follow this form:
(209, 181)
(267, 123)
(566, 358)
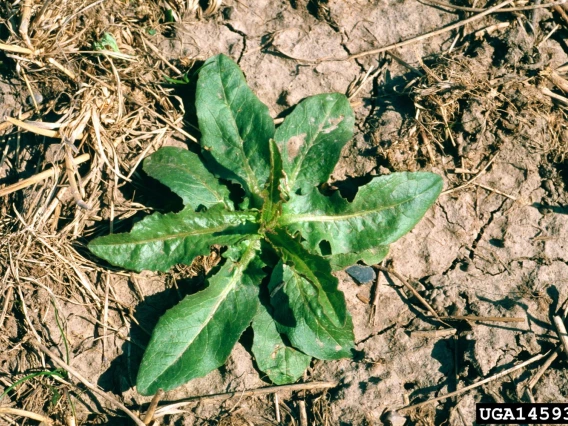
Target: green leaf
(107, 41)
(272, 194)
(308, 307)
(383, 211)
(170, 16)
(160, 241)
(371, 256)
(197, 335)
(311, 139)
(184, 173)
(184, 79)
(235, 126)
(302, 233)
(281, 363)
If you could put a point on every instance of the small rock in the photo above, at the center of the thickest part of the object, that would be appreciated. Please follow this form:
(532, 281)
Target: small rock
(38, 99)
(392, 418)
(549, 186)
(438, 302)
(361, 274)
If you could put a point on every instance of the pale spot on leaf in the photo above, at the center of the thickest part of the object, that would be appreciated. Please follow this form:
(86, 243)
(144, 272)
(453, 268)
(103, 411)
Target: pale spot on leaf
(332, 124)
(294, 144)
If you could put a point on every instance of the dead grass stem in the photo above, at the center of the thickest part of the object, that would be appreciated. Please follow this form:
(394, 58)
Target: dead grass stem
(108, 109)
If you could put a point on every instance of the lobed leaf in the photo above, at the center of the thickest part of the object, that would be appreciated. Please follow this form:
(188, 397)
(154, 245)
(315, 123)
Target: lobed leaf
(308, 307)
(197, 335)
(383, 211)
(160, 241)
(311, 138)
(235, 125)
(281, 363)
(184, 173)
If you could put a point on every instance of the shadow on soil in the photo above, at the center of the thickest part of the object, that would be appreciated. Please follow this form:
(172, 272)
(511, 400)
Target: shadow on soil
(121, 374)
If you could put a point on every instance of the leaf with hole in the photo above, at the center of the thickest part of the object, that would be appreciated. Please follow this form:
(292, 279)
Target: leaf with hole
(312, 137)
(283, 242)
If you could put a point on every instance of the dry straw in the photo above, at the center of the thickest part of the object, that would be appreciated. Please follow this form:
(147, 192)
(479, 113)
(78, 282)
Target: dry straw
(93, 72)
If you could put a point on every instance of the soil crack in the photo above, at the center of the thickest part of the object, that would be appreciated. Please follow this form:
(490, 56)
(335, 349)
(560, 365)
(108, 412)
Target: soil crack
(481, 231)
(231, 28)
(378, 333)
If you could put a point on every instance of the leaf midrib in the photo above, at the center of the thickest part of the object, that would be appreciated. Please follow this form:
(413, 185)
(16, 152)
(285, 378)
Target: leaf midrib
(248, 169)
(299, 261)
(197, 178)
(179, 235)
(238, 271)
(289, 219)
(303, 155)
(220, 298)
(314, 314)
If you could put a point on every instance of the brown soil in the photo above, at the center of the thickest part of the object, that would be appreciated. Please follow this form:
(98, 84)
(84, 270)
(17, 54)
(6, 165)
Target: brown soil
(494, 245)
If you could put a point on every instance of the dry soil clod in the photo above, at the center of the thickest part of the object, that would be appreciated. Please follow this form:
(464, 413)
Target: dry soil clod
(432, 33)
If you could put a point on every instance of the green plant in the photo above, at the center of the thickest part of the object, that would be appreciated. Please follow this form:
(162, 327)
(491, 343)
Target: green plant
(107, 41)
(183, 79)
(285, 238)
